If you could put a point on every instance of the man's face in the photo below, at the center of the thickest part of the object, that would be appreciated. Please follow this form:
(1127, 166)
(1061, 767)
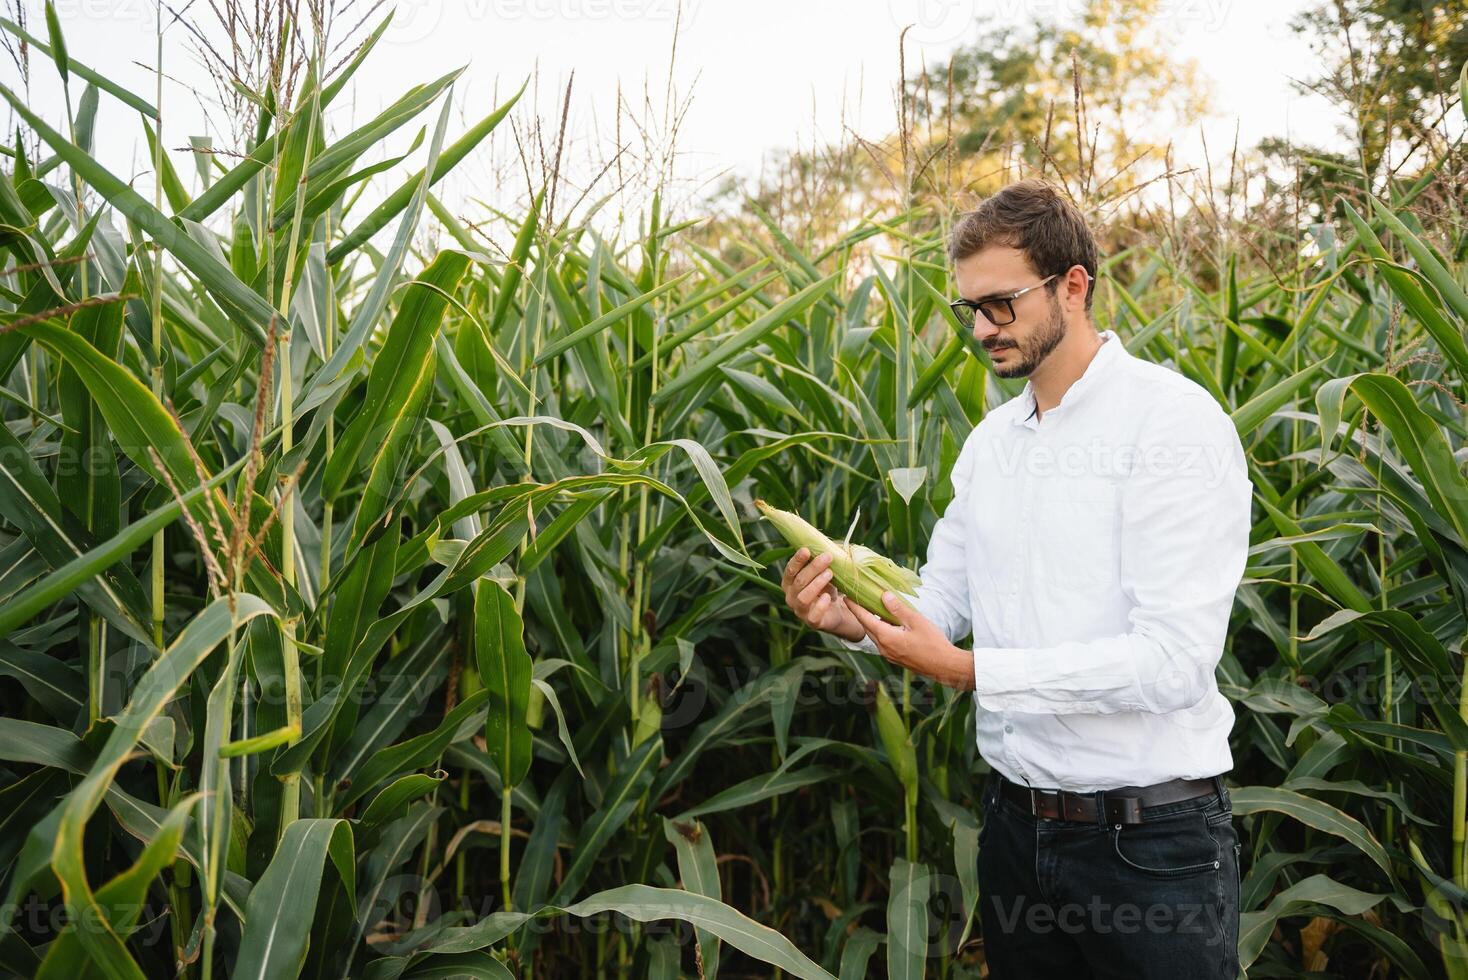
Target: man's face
(1016, 348)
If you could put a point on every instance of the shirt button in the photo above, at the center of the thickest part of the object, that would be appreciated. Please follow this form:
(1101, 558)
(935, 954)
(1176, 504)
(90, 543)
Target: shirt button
(1009, 729)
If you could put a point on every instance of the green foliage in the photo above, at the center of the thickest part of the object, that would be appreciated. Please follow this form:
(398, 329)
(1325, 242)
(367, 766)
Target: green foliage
(301, 536)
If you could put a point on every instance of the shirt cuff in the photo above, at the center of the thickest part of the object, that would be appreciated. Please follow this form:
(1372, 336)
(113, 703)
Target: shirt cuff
(998, 673)
(866, 644)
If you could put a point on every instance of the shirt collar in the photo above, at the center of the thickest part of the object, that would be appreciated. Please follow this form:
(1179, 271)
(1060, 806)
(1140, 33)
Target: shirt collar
(1110, 350)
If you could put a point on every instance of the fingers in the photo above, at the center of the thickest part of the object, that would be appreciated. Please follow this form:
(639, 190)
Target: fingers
(811, 571)
(809, 589)
(829, 613)
(820, 609)
(795, 564)
(873, 624)
(818, 584)
(800, 570)
(900, 610)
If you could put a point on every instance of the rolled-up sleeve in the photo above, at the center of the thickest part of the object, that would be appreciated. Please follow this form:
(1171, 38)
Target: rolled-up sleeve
(943, 596)
(1185, 519)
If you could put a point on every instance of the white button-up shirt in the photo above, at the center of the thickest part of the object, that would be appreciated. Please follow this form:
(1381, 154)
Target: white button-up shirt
(1093, 552)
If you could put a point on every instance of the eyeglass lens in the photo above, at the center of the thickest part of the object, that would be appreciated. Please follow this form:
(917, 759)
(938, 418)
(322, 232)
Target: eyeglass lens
(998, 312)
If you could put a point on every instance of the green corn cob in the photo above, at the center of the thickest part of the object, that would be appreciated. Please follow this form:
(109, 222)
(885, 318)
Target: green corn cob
(858, 571)
(897, 741)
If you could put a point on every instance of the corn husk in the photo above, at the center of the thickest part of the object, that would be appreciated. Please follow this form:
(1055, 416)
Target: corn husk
(858, 571)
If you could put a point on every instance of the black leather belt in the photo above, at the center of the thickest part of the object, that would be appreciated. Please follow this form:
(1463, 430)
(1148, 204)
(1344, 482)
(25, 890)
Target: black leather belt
(1121, 805)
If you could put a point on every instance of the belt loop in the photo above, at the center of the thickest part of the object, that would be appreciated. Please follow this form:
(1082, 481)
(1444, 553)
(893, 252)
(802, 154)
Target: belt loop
(1221, 789)
(1101, 809)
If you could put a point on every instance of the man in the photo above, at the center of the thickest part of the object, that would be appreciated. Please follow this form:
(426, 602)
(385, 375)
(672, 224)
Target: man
(1098, 530)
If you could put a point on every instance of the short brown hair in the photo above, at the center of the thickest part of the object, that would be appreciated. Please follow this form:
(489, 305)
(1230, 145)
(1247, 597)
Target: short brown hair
(1031, 216)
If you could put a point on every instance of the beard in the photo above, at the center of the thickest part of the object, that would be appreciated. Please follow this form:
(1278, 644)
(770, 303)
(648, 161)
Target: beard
(1033, 349)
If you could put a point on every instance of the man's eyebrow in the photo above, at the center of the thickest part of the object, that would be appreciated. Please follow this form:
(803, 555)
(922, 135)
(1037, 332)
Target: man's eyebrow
(1001, 293)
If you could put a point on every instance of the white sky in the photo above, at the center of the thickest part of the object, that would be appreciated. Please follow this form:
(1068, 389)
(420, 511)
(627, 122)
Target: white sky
(762, 74)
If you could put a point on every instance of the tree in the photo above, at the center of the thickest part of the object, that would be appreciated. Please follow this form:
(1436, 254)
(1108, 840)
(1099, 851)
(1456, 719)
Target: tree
(1390, 66)
(1059, 99)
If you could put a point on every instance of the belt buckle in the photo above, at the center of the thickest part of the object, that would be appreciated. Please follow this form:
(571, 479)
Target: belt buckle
(1034, 805)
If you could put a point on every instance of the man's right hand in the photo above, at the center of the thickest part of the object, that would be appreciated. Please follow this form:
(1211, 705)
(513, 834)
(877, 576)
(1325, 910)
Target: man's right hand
(811, 595)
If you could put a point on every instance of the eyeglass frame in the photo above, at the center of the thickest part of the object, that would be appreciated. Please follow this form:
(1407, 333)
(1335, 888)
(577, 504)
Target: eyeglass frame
(1007, 299)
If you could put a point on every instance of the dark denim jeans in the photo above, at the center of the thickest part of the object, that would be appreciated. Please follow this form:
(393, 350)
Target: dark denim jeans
(1136, 901)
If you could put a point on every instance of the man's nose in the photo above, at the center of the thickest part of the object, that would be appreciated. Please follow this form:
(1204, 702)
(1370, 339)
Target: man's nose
(983, 329)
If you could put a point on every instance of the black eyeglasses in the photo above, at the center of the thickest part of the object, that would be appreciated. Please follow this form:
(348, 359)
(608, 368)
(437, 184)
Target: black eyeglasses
(998, 310)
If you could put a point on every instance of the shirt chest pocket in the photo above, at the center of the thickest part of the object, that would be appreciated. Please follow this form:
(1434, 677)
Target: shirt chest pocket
(1076, 541)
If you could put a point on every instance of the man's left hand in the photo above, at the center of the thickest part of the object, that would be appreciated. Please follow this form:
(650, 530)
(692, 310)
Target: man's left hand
(916, 643)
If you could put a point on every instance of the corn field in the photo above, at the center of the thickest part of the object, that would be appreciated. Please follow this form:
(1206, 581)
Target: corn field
(374, 612)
